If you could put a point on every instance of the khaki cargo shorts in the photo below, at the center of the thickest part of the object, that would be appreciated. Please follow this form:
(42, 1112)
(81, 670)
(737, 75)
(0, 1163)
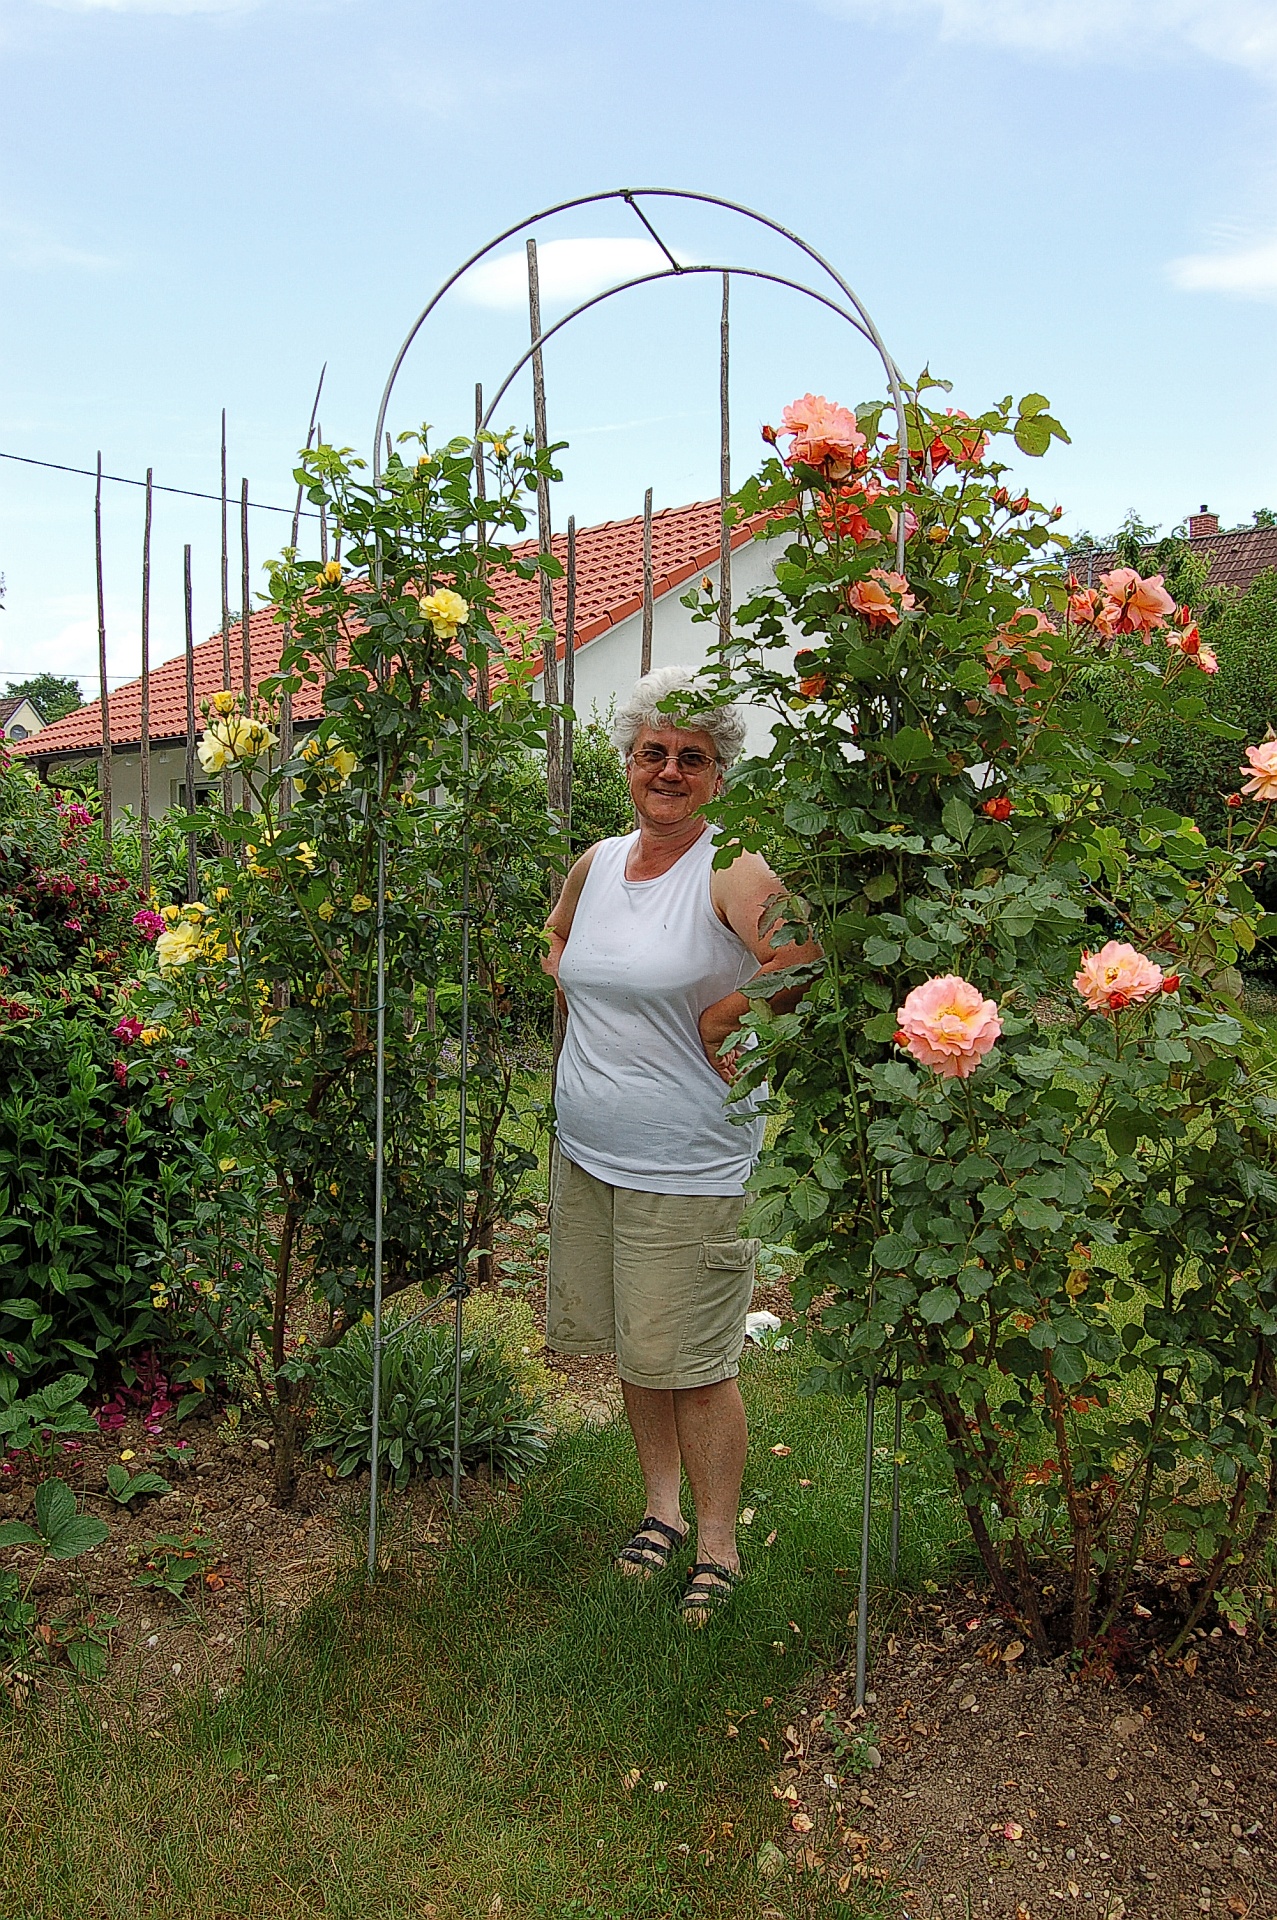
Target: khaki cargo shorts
(661, 1280)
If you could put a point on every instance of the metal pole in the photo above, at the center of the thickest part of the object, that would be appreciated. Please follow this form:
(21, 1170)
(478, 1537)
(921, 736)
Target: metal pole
(104, 696)
(144, 824)
(379, 1170)
(460, 1288)
(482, 687)
(897, 1437)
(645, 652)
(192, 863)
(245, 595)
(862, 1604)
(724, 471)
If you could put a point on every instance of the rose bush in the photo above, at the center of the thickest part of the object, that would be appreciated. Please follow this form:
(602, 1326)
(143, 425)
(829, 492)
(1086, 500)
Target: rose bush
(265, 991)
(1025, 1157)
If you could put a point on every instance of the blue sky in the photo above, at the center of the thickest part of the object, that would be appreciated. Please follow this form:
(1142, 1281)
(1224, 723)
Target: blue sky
(201, 201)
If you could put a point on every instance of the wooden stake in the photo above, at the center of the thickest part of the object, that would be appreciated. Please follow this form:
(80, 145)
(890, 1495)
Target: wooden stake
(192, 862)
(105, 697)
(483, 689)
(228, 800)
(144, 825)
(724, 474)
(323, 512)
(246, 644)
(286, 699)
(569, 678)
(550, 649)
(645, 658)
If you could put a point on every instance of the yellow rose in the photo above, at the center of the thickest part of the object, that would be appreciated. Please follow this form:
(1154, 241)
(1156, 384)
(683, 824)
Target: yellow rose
(446, 611)
(360, 904)
(330, 573)
(178, 946)
(149, 1035)
(306, 855)
(170, 914)
(326, 909)
(328, 766)
(223, 702)
(227, 1165)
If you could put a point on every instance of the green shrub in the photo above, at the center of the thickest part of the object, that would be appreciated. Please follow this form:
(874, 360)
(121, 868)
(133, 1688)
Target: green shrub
(500, 1421)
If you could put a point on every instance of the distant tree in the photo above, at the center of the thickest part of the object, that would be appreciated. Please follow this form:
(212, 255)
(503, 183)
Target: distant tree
(1264, 517)
(51, 694)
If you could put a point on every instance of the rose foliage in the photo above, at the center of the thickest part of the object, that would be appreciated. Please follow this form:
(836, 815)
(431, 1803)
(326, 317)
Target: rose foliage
(1025, 1156)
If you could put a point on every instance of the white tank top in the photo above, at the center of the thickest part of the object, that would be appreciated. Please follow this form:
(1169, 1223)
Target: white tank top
(637, 1104)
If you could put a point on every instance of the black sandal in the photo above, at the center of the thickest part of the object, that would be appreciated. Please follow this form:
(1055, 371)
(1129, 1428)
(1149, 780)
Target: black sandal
(706, 1597)
(651, 1556)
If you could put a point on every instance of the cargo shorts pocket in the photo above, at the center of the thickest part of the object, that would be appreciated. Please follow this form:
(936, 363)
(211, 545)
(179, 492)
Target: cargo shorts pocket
(724, 1289)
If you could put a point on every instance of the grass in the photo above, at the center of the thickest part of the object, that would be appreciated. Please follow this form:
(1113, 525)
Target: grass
(434, 1748)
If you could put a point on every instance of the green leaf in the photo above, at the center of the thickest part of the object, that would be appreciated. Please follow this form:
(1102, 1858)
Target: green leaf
(54, 1506)
(1037, 1215)
(957, 819)
(80, 1535)
(805, 817)
(16, 1533)
(939, 1305)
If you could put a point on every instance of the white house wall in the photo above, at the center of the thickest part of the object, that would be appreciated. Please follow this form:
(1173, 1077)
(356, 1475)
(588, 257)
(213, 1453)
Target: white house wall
(606, 668)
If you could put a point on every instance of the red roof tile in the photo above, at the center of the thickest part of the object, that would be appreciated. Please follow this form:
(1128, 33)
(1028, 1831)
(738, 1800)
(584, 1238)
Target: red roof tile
(609, 588)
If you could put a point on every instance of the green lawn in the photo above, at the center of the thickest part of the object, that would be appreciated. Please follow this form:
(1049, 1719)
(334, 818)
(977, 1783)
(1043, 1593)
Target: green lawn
(418, 1749)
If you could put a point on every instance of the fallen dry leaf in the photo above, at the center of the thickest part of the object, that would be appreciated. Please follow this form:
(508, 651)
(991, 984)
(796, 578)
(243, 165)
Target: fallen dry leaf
(1012, 1651)
(747, 1517)
(802, 1823)
(783, 1451)
(1190, 1663)
(1013, 1830)
(770, 1541)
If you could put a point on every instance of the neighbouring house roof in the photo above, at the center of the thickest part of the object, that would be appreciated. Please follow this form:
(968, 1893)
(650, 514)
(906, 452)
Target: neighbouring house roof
(609, 589)
(9, 705)
(1236, 558)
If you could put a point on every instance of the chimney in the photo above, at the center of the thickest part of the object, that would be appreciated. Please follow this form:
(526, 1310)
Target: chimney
(1202, 523)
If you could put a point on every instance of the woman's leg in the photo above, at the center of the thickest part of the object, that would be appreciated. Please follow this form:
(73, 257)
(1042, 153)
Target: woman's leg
(650, 1411)
(712, 1439)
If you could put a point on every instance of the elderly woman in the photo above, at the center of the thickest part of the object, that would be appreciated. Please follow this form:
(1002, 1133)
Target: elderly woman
(650, 945)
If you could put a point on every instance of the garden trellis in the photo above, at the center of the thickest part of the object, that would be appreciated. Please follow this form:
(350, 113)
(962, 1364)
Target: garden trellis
(857, 316)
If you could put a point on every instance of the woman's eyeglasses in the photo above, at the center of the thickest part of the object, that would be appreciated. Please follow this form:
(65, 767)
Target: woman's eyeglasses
(690, 760)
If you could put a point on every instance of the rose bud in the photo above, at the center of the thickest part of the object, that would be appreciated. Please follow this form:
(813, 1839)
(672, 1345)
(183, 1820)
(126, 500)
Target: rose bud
(1170, 983)
(999, 809)
(1057, 513)
(900, 1037)
(707, 585)
(1233, 800)
(812, 687)
(1183, 616)
(1000, 496)
(1192, 641)
(1021, 505)
(769, 435)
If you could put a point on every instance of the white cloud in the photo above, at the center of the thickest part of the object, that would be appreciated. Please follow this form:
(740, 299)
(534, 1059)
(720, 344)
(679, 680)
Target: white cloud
(569, 271)
(1249, 272)
(1240, 32)
(22, 245)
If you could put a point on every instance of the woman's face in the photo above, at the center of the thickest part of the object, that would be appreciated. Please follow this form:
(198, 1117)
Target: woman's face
(668, 793)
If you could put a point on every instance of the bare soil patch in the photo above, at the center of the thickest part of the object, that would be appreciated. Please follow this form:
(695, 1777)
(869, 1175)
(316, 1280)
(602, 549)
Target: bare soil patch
(976, 1782)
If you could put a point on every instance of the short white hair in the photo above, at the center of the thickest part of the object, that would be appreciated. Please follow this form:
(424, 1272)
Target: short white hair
(724, 725)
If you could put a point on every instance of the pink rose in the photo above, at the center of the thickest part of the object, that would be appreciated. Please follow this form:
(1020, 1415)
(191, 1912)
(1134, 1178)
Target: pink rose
(1261, 780)
(1136, 605)
(824, 435)
(1116, 977)
(881, 598)
(948, 1024)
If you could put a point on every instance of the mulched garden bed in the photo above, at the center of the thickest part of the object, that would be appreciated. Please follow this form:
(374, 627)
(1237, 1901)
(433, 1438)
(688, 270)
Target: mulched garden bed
(979, 1782)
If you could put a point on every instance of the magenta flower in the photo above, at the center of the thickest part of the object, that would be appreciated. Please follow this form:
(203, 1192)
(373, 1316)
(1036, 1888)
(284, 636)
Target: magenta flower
(127, 1029)
(74, 926)
(120, 1069)
(149, 925)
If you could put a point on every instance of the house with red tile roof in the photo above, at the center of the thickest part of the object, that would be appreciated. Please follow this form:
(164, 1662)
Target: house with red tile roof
(1237, 555)
(609, 619)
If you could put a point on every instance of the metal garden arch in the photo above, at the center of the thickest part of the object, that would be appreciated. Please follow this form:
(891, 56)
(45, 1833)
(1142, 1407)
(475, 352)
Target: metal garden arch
(856, 315)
